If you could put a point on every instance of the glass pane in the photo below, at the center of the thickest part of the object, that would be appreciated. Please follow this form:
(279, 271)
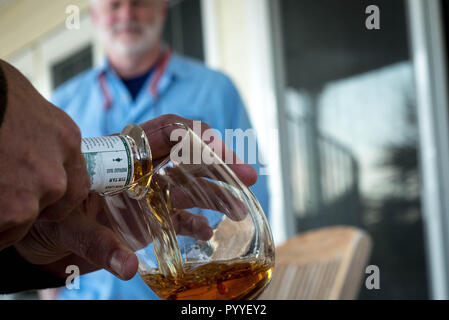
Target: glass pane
(72, 66)
(353, 134)
(183, 29)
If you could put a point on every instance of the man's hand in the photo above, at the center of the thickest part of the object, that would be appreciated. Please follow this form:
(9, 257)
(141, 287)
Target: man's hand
(42, 171)
(85, 239)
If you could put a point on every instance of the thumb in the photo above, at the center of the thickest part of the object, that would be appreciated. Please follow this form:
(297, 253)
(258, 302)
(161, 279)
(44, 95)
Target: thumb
(99, 246)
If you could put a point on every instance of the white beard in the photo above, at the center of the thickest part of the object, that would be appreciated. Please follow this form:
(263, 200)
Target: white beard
(148, 39)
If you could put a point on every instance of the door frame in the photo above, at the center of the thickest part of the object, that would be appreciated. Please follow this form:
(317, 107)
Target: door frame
(430, 67)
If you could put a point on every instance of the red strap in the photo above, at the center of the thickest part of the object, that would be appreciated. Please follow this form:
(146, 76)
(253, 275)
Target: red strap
(159, 72)
(160, 69)
(105, 91)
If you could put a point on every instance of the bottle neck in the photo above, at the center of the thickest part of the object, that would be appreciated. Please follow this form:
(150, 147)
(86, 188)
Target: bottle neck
(114, 163)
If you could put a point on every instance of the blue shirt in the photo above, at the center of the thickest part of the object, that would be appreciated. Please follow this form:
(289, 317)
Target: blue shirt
(100, 104)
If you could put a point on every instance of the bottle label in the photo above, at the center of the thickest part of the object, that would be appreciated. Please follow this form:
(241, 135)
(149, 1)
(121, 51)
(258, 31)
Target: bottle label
(109, 162)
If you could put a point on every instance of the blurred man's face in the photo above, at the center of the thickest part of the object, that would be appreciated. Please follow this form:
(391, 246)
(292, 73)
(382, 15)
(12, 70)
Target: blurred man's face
(129, 27)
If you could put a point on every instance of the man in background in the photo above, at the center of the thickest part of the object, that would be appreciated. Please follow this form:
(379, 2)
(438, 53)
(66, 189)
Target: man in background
(141, 79)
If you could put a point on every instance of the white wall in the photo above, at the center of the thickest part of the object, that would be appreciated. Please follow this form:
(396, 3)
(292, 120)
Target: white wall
(36, 59)
(22, 22)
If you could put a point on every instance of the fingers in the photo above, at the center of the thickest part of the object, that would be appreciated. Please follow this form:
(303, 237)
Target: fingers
(159, 131)
(77, 182)
(192, 225)
(246, 173)
(11, 236)
(77, 190)
(187, 191)
(99, 246)
(164, 134)
(181, 190)
(18, 211)
(44, 169)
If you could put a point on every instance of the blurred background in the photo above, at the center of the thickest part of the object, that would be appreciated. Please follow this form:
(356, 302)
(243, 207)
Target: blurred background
(354, 120)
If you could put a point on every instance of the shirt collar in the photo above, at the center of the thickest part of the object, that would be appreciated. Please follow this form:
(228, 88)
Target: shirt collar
(175, 66)
(168, 67)
(103, 67)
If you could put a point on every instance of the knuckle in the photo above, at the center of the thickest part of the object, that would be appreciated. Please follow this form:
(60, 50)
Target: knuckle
(170, 116)
(11, 220)
(68, 131)
(76, 196)
(80, 186)
(173, 118)
(72, 138)
(54, 183)
(78, 177)
(19, 210)
(84, 189)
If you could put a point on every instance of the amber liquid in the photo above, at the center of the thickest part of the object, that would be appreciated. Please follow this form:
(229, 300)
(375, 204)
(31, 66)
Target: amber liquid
(165, 243)
(157, 207)
(231, 280)
(141, 168)
(174, 280)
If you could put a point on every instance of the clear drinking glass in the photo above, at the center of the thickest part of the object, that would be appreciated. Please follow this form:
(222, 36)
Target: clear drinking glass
(197, 230)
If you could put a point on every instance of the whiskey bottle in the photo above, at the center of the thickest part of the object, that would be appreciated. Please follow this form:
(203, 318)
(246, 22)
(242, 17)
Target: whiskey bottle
(116, 162)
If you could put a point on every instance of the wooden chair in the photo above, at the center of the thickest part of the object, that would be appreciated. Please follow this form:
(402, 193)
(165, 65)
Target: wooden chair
(327, 263)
